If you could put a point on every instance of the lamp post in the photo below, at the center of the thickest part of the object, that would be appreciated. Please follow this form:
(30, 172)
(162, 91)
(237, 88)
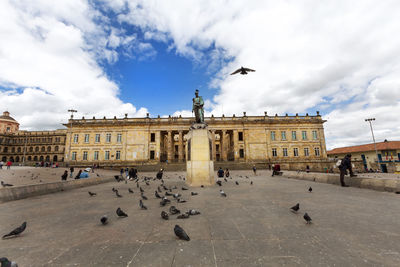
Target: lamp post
(373, 138)
(70, 136)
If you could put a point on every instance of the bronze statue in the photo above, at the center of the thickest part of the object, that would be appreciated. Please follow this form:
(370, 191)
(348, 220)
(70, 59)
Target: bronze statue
(197, 108)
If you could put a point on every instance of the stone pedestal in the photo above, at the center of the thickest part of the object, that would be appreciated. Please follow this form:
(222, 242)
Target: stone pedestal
(199, 163)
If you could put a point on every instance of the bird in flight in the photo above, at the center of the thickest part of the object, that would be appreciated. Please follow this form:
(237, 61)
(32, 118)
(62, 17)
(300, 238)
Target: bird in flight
(242, 71)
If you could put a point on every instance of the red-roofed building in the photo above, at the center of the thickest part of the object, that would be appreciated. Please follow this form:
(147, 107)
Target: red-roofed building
(388, 155)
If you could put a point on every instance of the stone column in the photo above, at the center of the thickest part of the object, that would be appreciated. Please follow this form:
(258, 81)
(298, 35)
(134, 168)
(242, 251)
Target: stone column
(213, 145)
(235, 145)
(180, 148)
(158, 146)
(169, 147)
(224, 148)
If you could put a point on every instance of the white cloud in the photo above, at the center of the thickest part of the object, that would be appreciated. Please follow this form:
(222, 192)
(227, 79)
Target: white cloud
(342, 56)
(49, 57)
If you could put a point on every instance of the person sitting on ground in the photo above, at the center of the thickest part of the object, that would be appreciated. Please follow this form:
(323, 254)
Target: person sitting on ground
(276, 169)
(220, 173)
(343, 167)
(160, 174)
(78, 176)
(226, 173)
(254, 169)
(64, 176)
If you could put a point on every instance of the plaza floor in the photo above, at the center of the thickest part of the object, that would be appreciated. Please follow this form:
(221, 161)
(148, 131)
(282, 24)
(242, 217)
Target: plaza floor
(251, 227)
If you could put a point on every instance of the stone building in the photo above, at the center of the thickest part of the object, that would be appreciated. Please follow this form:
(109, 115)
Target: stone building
(366, 156)
(292, 141)
(29, 147)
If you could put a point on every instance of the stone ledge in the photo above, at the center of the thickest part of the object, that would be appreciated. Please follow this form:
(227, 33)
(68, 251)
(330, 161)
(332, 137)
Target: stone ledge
(378, 184)
(20, 192)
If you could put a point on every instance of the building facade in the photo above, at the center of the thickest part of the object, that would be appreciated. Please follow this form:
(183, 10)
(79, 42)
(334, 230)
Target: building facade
(292, 141)
(386, 158)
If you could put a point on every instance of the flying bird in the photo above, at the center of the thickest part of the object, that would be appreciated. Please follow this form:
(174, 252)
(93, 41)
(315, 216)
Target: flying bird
(164, 215)
(310, 189)
(120, 213)
(16, 232)
(104, 220)
(174, 210)
(91, 194)
(295, 208)
(222, 193)
(179, 232)
(4, 262)
(307, 218)
(5, 185)
(242, 71)
(130, 190)
(141, 205)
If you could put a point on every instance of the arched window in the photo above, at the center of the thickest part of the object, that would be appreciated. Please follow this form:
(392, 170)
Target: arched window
(29, 158)
(35, 158)
(48, 148)
(43, 149)
(47, 158)
(12, 159)
(19, 150)
(17, 159)
(13, 150)
(41, 158)
(5, 150)
(55, 159)
(56, 148)
(31, 149)
(37, 149)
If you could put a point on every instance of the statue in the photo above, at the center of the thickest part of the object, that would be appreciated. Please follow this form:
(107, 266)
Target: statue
(198, 110)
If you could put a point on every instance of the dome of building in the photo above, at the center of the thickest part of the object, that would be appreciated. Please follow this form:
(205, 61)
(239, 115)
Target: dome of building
(8, 124)
(6, 116)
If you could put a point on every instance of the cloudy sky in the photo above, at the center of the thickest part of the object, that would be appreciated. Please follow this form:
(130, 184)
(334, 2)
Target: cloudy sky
(107, 58)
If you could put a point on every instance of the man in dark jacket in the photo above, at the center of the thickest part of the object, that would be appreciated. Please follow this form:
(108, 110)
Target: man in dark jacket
(160, 174)
(220, 173)
(344, 165)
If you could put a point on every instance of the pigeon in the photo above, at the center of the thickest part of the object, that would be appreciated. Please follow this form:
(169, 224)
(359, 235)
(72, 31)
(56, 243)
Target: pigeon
(164, 215)
(179, 232)
(177, 195)
(141, 205)
(137, 184)
(183, 216)
(147, 183)
(194, 193)
(113, 189)
(141, 189)
(157, 195)
(174, 210)
(242, 71)
(91, 194)
(130, 190)
(17, 231)
(251, 182)
(97, 175)
(104, 220)
(117, 194)
(222, 193)
(158, 189)
(163, 203)
(193, 212)
(180, 200)
(143, 197)
(5, 185)
(168, 194)
(201, 186)
(219, 183)
(4, 262)
(295, 208)
(184, 188)
(237, 183)
(120, 213)
(165, 188)
(310, 189)
(307, 218)
(225, 180)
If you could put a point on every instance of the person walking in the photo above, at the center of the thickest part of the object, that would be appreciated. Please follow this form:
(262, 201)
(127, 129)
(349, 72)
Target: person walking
(64, 176)
(343, 167)
(71, 172)
(122, 173)
(254, 169)
(9, 163)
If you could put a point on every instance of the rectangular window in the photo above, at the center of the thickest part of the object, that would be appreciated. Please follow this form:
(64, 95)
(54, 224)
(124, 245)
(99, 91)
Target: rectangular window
(73, 155)
(240, 136)
(107, 155)
(274, 153)
(295, 152)
(152, 154)
(96, 155)
(283, 135)
(241, 153)
(152, 137)
(97, 138)
(304, 135)
(314, 135)
(294, 136)
(76, 136)
(86, 138)
(119, 138)
(284, 151)
(273, 135)
(118, 155)
(85, 153)
(108, 138)
(306, 152)
(316, 150)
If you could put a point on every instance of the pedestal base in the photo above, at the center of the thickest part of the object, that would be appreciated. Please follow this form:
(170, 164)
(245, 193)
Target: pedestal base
(199, 164)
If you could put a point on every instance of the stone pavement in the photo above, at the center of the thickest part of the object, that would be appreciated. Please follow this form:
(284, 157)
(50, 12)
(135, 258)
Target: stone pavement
(251, 227)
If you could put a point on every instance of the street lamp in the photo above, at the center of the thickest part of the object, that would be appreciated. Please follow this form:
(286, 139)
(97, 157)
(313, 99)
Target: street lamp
(70, 136)
(373, 138)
